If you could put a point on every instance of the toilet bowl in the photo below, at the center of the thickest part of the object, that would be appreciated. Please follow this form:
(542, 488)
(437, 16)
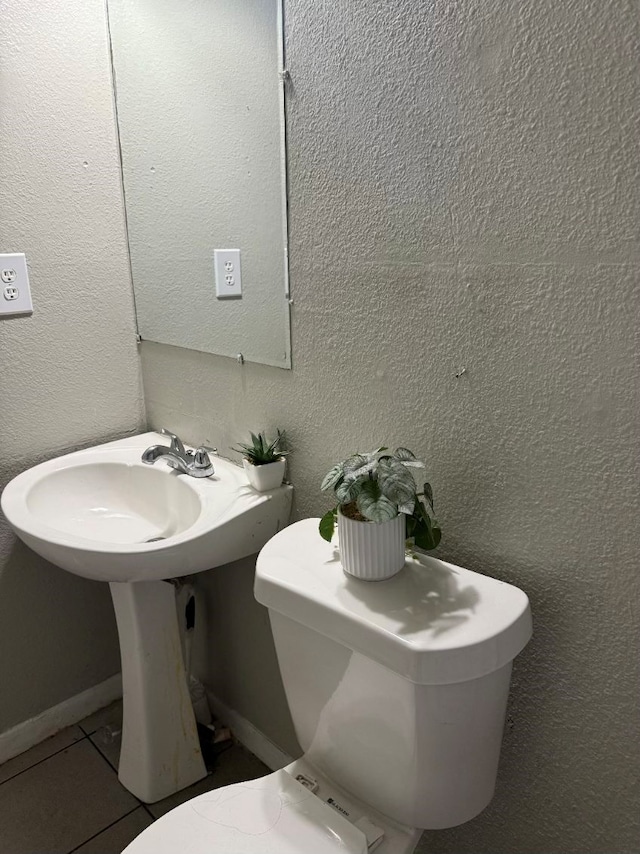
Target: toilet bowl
(398, 693)
(287, 812)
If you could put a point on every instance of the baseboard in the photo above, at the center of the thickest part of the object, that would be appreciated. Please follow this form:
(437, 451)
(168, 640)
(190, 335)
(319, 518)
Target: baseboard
(249, 735)
(29, 733)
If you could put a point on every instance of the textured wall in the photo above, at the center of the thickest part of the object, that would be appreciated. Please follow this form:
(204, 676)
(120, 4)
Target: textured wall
(70, 372)
(464, 192)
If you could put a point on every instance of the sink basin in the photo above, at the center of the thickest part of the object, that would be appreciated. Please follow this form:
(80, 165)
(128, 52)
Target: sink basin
(113, 502)
(104, 514)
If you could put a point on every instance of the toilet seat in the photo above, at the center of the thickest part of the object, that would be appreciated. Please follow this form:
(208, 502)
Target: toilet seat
(272, 815)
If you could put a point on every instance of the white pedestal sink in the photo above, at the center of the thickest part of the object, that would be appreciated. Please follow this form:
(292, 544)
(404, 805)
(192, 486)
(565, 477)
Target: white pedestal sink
(103, 514)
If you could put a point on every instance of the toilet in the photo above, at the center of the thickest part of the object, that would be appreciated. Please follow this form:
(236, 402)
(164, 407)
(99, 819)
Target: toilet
(397, 690)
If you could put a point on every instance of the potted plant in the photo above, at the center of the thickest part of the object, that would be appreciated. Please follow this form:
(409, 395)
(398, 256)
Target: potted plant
(264, 461)
(379, 507)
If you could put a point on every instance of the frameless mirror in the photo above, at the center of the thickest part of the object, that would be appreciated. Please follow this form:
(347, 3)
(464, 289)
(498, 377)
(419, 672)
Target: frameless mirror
(200, 107)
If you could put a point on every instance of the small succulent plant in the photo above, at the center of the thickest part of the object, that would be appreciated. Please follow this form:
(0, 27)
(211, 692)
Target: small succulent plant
(261, 452)
(375, 487)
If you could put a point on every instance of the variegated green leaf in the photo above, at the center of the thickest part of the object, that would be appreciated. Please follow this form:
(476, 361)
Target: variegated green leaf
(354, 462)
(332, 477)
(348, 490)
(396, 482)
(407, 508)
(359, 465)
(373, 505)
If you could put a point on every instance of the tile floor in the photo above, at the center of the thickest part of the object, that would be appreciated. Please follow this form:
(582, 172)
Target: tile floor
(63, 795)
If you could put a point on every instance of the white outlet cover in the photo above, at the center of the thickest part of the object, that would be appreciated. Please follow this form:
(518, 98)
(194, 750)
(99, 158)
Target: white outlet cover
(15, 294)
(228, 273)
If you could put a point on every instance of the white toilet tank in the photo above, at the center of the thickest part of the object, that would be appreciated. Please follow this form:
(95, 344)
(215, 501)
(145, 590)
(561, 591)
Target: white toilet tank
(397, 689)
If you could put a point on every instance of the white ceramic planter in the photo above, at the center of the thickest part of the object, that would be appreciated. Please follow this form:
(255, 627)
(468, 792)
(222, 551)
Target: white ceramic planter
(371, 551)
(267, 477)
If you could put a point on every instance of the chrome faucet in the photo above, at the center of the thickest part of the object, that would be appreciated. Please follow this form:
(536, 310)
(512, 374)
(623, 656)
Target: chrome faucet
(194, 463)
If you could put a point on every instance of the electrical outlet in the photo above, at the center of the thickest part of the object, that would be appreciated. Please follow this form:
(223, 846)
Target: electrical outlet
(15, 296)
(228, 274)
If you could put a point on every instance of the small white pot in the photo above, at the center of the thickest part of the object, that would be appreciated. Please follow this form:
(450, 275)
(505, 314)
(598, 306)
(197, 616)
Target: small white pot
(267, 477)
(371, 551)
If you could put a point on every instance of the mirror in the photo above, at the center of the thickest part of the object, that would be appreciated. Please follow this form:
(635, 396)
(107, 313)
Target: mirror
(200, 108)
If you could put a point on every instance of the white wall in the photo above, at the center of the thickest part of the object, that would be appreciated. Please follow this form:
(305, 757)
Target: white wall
(70, 373)
(464, 193)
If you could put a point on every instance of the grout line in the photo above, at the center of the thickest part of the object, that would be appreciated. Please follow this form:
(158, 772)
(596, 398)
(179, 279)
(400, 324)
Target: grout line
(137, 806)
(103, 756)
(86, 737)
(86, 732)
(101, 726)
(115, 770)
(148, 811)
(44, 759)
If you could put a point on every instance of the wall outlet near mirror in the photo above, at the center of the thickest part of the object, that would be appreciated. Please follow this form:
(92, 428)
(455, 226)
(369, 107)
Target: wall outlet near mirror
(15, 295)
(228, 273)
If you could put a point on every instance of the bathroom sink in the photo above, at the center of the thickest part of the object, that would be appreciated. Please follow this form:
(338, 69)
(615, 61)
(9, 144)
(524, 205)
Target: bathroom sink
(103, 514)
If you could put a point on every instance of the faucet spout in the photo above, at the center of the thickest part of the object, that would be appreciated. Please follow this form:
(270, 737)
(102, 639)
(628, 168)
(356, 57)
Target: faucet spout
(155, 452)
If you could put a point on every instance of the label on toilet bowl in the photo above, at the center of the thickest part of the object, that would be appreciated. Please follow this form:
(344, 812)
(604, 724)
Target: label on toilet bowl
(338, 807)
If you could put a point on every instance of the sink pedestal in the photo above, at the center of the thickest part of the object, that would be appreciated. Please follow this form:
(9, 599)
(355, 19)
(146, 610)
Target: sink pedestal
(160, 751)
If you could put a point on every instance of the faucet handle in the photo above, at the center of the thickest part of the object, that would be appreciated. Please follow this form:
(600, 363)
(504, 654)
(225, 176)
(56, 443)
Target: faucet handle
(208, 448)
(201, 461)
(176, 442)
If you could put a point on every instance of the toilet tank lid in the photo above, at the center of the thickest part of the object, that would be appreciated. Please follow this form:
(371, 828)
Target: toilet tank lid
(433, 622)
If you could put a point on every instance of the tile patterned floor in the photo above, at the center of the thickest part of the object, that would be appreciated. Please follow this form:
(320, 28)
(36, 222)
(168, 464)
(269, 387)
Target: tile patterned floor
(63, 795)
